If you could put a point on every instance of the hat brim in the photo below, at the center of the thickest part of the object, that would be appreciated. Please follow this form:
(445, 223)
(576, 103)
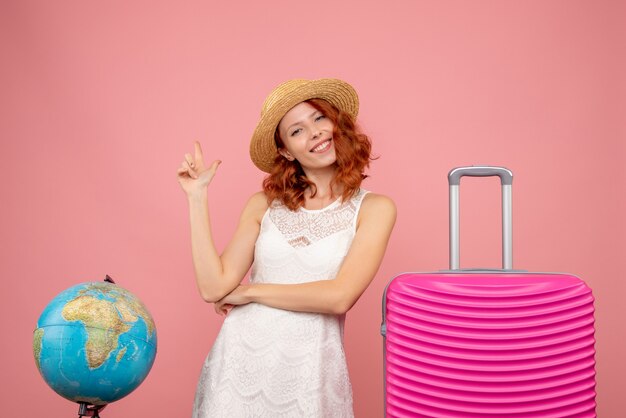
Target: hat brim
(340, 94)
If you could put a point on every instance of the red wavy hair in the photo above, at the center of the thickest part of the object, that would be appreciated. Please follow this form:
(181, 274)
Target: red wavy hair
(287, 181)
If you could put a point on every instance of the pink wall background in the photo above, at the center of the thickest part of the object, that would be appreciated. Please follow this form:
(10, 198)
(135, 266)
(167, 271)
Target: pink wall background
(100, 100)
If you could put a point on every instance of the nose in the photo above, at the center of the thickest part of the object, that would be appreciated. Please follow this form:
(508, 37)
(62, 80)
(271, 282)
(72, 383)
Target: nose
(317, 133)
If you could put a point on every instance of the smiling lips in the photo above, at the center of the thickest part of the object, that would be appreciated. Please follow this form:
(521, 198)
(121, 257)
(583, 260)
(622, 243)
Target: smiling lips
(322, 146)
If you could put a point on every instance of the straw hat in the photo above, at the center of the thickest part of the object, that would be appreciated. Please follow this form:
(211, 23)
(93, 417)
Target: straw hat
(338, 93)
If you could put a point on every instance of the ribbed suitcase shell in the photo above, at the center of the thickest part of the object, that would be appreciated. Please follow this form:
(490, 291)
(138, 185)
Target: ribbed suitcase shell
(485, 344)
(488, 343)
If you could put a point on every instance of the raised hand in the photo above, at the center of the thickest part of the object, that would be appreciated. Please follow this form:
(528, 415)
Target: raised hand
(193, 175)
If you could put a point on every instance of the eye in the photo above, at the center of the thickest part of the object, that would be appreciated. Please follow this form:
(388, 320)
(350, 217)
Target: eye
(295, 132)
(320, 117)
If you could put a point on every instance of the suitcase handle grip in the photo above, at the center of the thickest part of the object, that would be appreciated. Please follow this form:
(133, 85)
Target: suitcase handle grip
(454, 176)
(506, 180)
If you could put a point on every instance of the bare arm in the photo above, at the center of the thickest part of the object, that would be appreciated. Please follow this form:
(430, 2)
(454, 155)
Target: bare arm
(376, 220)
(216, 275)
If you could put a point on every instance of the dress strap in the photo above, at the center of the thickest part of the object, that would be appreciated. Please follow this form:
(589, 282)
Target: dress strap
(356, 201)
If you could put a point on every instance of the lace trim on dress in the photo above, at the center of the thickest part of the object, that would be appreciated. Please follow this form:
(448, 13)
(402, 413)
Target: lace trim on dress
(303, 228)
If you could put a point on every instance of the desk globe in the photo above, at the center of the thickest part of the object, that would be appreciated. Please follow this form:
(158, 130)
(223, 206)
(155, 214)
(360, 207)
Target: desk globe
(94, 344)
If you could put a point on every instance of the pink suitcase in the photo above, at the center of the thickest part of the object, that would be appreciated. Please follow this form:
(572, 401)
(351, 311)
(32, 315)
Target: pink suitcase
(488, 343)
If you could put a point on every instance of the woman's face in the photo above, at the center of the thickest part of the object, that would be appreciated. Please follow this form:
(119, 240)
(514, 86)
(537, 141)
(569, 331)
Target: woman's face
(308, 137)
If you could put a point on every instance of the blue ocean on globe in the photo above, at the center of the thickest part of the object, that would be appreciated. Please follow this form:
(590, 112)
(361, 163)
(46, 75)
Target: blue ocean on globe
(95, 342)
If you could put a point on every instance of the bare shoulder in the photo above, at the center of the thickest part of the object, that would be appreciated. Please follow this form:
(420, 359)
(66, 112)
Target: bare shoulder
(373, 202)
(378, 207)
(256, 206)
(258, 199)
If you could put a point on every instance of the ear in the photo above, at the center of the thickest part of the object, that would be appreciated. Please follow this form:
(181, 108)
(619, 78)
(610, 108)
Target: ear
(286, 154)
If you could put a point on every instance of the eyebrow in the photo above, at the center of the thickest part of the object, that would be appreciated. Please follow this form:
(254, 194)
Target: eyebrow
(300, 121)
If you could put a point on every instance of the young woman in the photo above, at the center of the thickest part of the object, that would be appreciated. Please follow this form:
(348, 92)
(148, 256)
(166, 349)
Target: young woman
(314, 240)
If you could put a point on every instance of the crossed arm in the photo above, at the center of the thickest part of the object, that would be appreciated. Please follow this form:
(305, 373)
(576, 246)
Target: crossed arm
(335, 296)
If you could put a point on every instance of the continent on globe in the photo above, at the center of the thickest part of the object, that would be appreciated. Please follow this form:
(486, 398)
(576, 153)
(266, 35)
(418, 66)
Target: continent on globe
(94, 313)
(37, 337)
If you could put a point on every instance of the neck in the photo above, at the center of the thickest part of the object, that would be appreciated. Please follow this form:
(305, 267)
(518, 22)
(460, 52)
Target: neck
(322, 179)
(324, 194)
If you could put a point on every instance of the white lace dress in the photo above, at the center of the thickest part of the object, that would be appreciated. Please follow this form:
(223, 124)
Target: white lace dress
(273, 363)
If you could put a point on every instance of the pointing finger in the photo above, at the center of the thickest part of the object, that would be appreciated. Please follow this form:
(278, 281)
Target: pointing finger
(198, 151)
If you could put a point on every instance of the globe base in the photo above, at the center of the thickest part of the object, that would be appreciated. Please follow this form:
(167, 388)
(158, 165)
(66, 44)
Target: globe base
(88, 410)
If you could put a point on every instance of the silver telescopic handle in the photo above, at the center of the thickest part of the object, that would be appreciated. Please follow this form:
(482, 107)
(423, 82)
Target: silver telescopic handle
(506, 179)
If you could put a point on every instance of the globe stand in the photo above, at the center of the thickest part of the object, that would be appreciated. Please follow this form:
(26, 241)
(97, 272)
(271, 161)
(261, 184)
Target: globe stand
(88, 410)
